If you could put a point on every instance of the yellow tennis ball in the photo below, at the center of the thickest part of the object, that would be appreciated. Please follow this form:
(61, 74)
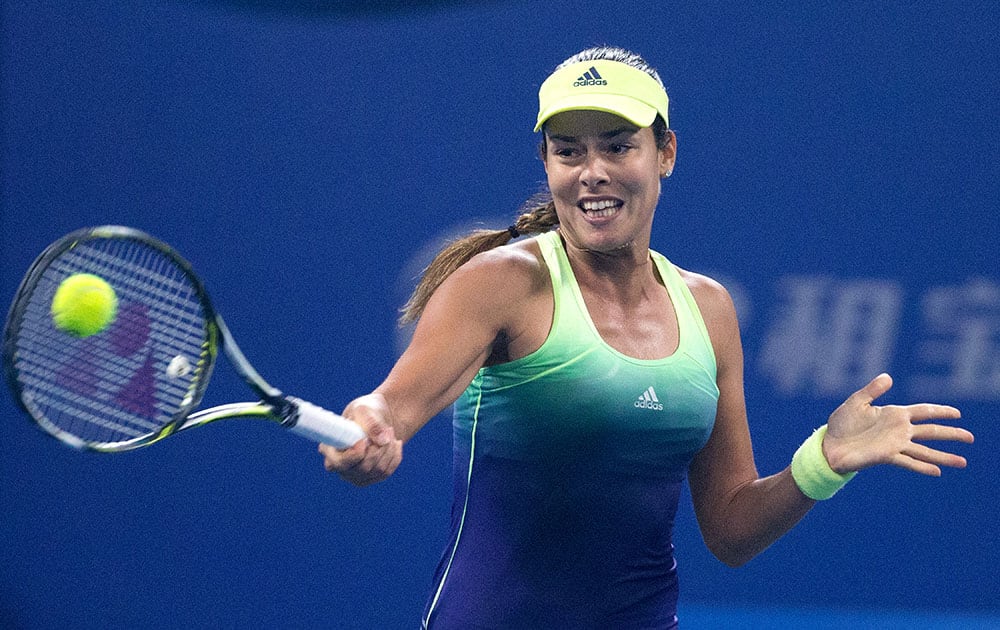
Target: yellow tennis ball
(84, 305)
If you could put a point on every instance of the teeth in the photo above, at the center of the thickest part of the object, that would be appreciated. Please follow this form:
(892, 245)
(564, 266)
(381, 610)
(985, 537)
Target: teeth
(603, 208)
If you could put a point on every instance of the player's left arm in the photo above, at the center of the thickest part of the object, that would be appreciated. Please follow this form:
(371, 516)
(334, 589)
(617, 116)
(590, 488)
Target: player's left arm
(739, 513)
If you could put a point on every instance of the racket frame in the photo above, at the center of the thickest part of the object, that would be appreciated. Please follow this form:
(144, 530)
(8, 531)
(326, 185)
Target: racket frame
(273, 406)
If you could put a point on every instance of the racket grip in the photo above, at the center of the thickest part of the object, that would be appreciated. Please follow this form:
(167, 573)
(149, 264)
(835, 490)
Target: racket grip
(320, 425)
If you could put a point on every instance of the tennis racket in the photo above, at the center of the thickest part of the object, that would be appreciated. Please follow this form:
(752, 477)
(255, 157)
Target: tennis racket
(139, 380)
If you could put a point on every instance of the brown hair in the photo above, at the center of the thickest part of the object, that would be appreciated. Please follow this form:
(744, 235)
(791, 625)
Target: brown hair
(537, 215)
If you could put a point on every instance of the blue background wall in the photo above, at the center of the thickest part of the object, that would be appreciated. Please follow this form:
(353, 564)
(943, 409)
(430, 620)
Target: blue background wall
(837, 170)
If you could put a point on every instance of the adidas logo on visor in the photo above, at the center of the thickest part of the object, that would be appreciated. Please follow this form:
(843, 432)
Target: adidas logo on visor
(648, 400)
(590, 77)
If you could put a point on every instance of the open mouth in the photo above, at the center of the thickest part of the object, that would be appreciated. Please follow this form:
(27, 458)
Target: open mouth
(601, 208)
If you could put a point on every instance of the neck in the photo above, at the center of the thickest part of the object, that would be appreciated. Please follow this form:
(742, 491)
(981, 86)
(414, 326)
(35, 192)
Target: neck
(624, 259)
(624, 271)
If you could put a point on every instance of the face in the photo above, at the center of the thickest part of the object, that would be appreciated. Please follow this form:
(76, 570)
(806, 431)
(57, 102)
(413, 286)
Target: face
(604, 175)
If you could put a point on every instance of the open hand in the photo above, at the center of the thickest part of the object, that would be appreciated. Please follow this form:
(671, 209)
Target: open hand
(860, 435)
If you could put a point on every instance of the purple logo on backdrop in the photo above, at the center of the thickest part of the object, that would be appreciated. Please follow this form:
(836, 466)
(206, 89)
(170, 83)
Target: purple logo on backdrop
(130, 332)
(127, 337)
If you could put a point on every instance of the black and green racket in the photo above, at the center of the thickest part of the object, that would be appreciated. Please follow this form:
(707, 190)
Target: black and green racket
(139, 378)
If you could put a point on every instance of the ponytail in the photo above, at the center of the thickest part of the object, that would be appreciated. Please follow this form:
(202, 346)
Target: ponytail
(538, 215)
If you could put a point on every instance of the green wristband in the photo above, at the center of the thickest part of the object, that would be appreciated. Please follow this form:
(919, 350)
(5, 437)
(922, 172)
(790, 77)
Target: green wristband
(811, 471)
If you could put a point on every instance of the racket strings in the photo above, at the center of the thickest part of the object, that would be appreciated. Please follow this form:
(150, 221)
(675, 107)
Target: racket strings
(132, 379)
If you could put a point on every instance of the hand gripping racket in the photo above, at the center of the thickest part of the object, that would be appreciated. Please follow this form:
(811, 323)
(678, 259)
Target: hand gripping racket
(137, 381)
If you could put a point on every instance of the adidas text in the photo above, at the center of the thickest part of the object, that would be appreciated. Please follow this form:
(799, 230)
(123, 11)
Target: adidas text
(642, 404)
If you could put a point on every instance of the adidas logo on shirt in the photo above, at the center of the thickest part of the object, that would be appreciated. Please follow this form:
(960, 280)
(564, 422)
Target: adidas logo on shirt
(590, 77)
(648, 400)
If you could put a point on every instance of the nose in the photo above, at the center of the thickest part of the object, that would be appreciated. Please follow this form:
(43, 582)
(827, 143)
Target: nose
(594, 171)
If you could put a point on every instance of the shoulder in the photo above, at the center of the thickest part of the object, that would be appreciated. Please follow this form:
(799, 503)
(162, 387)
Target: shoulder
(498, 279)
(520, 256)
(712, 298)
(511, 266)
(716, 307)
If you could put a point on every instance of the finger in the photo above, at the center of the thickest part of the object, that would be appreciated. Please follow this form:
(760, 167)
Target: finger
(378, 431)
(352, 453)
(392, 457)
(386, 459)
(916, 465)
(381, 434)
(938, 432)
(335, 459)
(875, 388)
(928, 455)
(926, 411)
(377, 465)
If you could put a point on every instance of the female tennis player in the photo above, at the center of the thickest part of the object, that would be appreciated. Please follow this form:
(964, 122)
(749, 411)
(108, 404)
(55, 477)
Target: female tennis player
(590, 377)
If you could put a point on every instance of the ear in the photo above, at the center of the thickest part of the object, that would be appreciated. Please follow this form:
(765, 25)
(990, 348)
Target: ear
(668, 155)
(543, 152)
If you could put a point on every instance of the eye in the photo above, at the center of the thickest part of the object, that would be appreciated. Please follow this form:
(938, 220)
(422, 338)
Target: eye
(565, 152)
(619, 148)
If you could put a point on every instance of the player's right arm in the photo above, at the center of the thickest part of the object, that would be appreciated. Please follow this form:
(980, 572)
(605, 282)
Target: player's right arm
(452, 340)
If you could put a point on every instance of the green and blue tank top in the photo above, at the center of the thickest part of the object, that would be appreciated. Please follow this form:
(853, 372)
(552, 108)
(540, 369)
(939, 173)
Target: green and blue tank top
(568, 465)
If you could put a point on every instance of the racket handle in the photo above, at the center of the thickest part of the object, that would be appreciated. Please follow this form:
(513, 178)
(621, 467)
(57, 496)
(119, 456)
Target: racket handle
(320, 425)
